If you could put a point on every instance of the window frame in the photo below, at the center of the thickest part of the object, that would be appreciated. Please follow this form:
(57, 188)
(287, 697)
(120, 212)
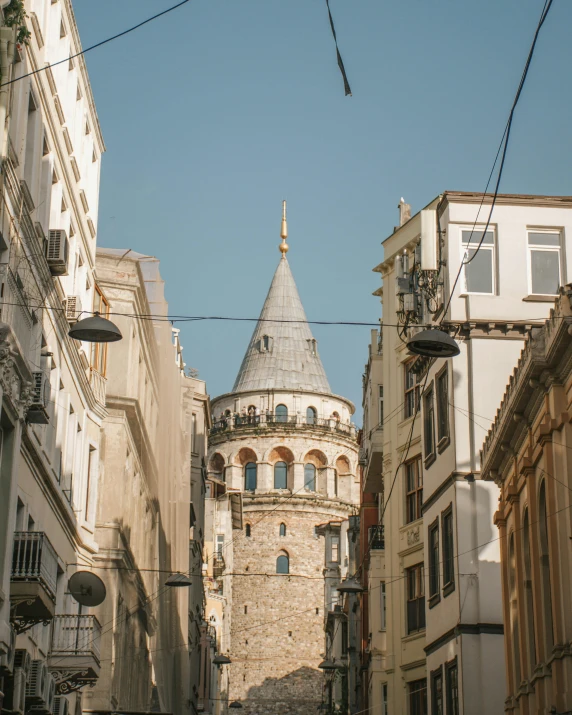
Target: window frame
(414, 496)
(492, 248)
(448, 545)
(429, 442)
(409, 410)
(283, 415)
(311, 415)
(380, 405)
(246, 466)
(546, 249)
(383, 606)
(384, 699)
(309, 464)
(417, 572)
(452, 705)
(283, 555)
(435, 676)
(422, 709)
(284, 466)
(442, 409)
(433, 548)
(335, 541)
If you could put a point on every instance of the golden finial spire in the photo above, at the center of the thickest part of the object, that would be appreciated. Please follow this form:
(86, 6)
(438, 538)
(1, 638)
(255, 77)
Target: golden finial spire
(284, 232)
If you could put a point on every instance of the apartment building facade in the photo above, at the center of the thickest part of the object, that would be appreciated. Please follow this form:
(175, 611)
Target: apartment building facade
(52, 387)
(527, 455)
(444, 621)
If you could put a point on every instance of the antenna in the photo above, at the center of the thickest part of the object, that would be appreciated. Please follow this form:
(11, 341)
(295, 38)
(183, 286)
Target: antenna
(87, 588)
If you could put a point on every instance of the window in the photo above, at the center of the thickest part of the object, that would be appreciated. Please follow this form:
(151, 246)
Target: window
(99, 350)
(411, 390)
(480, 272)
(335, 482)
(310, 477)
(247, 530)
(311, 415)
(283, 563)
(437, 692)
(452, 687)
(448, 552)
(442, 405)
(528, 594)
(313, 346)
(265, 343)
(384, 698)
(415, 598)
(194, 433)
(545, 589)
(90, 471)
(414, 490)
(383, 606)
(417, 693)
(434, 560)
(281, 413)
(280, 475)
(219, 544)
(282, 529)
(513, 609)
(250, 477)
(380, 416)
(544, 262)
(335, 549)
(429, 423)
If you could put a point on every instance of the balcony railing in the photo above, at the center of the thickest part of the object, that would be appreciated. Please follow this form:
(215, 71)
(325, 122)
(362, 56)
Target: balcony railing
(376, 537)
(13, 308)
(98, 385)
(76, 636)
(269, 420)
(34, 559)
(218, 565)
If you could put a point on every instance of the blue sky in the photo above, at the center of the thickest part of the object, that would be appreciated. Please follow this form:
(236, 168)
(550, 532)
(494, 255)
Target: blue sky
(216, 112)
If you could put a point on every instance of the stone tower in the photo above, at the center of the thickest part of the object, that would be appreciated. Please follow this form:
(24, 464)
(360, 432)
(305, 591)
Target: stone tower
(286, 442)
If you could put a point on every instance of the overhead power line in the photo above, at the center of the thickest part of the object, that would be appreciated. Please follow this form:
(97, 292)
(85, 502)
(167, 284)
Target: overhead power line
(502, 151)
(97, 44)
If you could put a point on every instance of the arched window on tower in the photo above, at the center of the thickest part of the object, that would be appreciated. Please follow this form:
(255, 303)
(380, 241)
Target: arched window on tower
(311, 416)
(282, 529)
(281, 413)
(310, 477)
(283, 563)
(250, 477)
(280, 475)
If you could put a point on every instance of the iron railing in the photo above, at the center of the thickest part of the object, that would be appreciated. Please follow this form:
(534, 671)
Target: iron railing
(376, 537)
(98, 385)
(76, 635)
(269, 420)
(35, 559)
(14, 308)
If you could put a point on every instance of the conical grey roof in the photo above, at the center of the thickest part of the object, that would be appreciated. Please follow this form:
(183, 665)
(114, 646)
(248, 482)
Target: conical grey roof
(282, 354)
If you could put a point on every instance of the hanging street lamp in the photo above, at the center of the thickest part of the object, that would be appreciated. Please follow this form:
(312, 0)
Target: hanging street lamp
(95, 330)
(433, 343)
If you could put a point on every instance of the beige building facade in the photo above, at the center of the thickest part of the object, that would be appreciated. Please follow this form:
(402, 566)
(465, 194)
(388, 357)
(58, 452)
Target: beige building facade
(527, 454)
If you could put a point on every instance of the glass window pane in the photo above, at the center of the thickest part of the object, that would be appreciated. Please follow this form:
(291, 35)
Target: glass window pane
(543, 239)
(477, 235)
(282, 565)
(280, 475)
(310, 477)
(479, 272)
(545, 269)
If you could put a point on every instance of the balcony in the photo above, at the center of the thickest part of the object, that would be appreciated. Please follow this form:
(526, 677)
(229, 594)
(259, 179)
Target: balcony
(267, 421)
(74, 652)
(98, 385)
(376, 538)
(32, 580)
(13, 308)
(218, 565)
(373, 467)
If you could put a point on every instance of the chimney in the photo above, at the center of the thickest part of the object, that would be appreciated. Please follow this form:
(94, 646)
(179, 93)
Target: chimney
(404, 211)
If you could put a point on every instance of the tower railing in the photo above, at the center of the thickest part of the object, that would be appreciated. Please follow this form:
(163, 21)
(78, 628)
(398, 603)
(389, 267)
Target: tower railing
(272, 420)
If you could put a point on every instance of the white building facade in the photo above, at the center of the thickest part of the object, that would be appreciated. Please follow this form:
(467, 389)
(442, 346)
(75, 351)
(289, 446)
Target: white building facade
(444, 647)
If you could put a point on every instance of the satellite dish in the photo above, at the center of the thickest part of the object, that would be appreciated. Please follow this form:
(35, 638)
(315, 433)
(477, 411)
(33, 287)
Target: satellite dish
(87, 588)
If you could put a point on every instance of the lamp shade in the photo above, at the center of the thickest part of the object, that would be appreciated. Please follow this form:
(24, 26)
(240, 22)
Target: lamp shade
(433, 343)
(178, 580)
(351, 585)
(221, 659)
(235, 705)
(95, 330)
(328, 665)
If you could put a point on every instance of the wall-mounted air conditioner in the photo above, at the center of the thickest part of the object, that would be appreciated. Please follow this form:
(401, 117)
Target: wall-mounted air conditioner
(15, 692)
(72, 308)
(36, 683)
(7, 659)
(57, 252)
(61, 705)
(41, 392)
(23, 661)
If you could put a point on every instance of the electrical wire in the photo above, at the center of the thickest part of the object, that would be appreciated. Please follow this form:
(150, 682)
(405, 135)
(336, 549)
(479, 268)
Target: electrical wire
(504, 145)
(97, 44)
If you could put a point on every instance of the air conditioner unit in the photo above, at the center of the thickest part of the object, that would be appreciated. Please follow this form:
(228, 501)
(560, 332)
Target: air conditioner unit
(57, 252)
(23, 661)
(72, 308)
(61, 705)
(7, 658)
(15, 692)
(50, 693)
(41, 392)
(36, 683)
(362, 456)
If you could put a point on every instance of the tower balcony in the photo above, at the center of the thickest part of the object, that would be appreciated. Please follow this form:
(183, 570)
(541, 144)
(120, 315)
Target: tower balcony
(267, 421)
